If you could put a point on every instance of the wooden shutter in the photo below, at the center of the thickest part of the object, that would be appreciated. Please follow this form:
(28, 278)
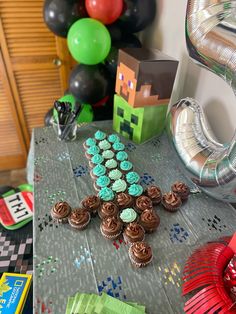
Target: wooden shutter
(30, 51)
(12, 145)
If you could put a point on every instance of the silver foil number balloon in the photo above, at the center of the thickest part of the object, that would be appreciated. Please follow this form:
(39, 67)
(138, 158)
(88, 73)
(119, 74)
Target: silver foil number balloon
(211, 41)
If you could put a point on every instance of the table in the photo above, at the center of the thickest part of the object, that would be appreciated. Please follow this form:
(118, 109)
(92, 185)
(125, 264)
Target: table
(67, 261)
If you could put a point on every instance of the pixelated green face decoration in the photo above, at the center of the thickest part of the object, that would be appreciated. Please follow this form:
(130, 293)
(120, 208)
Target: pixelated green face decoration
(129, 120)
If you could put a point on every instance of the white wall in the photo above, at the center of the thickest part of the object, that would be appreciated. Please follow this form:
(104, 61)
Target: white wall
(167, 33)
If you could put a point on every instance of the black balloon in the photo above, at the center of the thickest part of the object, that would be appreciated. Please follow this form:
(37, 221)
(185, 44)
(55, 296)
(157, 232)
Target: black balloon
(115, 31)
(90, 83)
(128, 41)
(137, 14)
(59, 15)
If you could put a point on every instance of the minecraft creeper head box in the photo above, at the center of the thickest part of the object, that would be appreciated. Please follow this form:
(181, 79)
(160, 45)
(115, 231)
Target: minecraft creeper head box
(145, 77)
(144, 83)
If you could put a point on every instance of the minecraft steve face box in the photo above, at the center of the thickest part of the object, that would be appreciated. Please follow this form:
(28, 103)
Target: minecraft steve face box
(144, 83)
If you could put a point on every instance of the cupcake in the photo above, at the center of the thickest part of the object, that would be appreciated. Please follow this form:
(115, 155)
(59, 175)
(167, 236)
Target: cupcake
(149, 220)
(104, 145)
(115, 174)
(101, 182)
(60, 212)
(133, 233)
(113, 138)
(124, 200)
(108, 209)
(111, 228)
(100, 136)
(171, 201)
(140, 254)
(121, 156)
(119, 186)
(154, 193)
(91, 151)
(92, 203)
(181, 189)
(96, 160)
(89, 142)
(135, 190)
(118, 146)
(126, 166)
(108, 154)
(79, 218)
(142, 203)
(128, 215)
(132, 177)
(98, 171)
(111, 164)
(106, 194)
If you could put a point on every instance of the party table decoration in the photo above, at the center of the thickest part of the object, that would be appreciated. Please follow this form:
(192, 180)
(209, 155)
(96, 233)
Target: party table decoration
(16, 207)
(144, 83)
(204, 270)
(91, 303)
(210, 38)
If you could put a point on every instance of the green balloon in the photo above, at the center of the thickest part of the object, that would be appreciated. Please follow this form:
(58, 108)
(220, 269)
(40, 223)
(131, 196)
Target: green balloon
(89, 41)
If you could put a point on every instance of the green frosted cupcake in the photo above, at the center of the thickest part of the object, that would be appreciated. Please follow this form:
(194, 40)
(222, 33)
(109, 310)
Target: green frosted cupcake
(89, 142)
(132, 177)
(91, 151)
(108, 154)
(111, 164)
(98, 171)
(115, 174)
(104, 145)
(113, 138)
(96, 160)
(106, 194)
(119, 186)
(118, 146)
(135, 190)
(121, 156)
(101, 182)
(126, 166)
(99, 135)
(128, 215)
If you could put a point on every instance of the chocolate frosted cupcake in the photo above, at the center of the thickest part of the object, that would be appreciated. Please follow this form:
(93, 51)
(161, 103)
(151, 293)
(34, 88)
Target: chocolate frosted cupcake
(134, 233)
(124, 200)
(149, 220)
(140, 254)
(142, 203)
(108, 209)
(111, 228)
(60, 212)
(181, 189)
(79, 218)
(171, 201)
(92, 203)
(154, 193)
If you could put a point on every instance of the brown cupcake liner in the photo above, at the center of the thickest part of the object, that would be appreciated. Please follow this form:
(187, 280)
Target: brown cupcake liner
(110, 237)
(79, 227)
(138, 264)
(127, 240)
(170, 208)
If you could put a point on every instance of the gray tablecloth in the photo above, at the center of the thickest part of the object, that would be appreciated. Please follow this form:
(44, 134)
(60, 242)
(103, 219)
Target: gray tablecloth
(67, 261)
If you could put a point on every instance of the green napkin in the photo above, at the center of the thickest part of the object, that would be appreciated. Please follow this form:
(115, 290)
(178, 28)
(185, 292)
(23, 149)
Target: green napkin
(84, 303)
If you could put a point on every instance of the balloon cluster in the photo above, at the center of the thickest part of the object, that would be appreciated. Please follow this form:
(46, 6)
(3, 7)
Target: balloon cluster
(95, 30)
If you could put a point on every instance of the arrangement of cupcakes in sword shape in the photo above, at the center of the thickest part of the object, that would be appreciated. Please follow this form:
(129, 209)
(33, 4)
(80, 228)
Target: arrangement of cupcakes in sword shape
(121, 203)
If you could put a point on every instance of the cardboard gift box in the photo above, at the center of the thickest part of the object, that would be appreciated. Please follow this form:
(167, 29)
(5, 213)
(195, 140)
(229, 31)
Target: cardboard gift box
(144, 83)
